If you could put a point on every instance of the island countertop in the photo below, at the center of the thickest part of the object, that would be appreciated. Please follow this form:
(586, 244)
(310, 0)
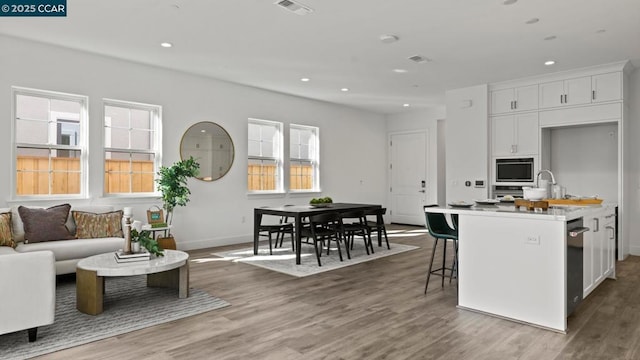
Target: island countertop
(508, 210)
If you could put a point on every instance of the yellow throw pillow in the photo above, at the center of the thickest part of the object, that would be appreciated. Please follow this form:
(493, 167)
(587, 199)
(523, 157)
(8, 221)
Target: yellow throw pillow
(91, 226)
(5, 230)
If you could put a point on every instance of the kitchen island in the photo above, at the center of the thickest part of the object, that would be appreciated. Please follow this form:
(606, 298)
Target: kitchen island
(514, 263)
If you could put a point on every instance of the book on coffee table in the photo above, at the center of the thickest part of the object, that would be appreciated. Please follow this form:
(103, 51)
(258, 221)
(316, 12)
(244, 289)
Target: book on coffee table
(140, 256)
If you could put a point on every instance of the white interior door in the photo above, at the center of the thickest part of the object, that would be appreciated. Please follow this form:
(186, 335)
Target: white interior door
(408, 177)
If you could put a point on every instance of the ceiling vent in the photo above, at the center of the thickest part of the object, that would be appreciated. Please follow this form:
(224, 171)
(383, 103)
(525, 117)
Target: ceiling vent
(419, 59)
(294, 7)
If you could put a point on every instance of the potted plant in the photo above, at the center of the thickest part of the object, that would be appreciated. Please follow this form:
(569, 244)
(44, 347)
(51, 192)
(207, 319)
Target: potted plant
(172, 183)
(144, 240)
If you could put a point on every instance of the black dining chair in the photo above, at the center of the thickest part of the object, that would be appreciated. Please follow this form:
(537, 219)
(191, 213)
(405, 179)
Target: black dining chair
(354, 223)
(378, 225)
(280, 229)
(324, 228)
(439, 228)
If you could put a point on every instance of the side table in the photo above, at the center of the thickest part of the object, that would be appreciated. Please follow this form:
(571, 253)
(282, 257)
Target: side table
(165, 242)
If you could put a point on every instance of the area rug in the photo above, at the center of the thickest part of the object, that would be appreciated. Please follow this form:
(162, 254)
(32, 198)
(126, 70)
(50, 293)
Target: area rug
(284, 260)
(129, 305)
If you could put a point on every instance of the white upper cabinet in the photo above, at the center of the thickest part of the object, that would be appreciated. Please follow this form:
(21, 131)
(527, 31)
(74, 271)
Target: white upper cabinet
(606, 87)
(522, 98)
(515, 134)
(575, 91)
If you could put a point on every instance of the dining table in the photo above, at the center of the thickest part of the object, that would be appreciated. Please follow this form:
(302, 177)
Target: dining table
(298, 213)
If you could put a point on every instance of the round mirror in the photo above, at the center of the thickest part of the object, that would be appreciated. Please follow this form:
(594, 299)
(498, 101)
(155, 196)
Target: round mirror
(211, 146)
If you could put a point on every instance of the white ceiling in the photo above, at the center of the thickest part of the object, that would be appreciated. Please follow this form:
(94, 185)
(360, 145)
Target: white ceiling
(257, 43)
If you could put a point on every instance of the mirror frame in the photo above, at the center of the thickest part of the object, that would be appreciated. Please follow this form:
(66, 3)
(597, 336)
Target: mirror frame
(233, 148)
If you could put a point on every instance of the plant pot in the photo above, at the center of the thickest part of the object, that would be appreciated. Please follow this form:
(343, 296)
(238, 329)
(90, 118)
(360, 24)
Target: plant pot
(135, 247)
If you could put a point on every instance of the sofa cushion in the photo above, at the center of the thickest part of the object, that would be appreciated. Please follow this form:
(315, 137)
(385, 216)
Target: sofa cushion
(90, 225)
(5, 230)
(45, 224)
(74, 249)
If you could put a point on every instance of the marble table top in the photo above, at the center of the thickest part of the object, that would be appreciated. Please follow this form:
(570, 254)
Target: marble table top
(106, 264)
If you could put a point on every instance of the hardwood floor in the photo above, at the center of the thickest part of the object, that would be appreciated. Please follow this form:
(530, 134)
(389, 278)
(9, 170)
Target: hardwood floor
(374, 310)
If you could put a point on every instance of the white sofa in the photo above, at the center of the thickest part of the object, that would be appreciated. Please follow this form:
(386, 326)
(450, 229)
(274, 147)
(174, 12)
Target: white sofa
(28, 272)
(28, 283)
(67, 252)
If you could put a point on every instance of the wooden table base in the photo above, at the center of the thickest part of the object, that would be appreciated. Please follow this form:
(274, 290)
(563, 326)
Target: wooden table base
(90, 287)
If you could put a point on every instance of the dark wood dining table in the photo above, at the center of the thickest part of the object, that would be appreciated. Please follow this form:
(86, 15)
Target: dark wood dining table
(299, 212)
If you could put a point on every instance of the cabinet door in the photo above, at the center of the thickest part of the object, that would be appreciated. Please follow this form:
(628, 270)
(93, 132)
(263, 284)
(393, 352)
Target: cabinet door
(610, 244)
(578, 91)
(526, 98)
(598, 248)
(502, 140)
(606, 87)
(526, 133)
(587, 255)
(551, 94)
(502, 101)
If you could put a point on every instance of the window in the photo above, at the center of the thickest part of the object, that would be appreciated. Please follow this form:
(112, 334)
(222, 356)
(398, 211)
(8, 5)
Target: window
(132, 147)
(303, 158)
(265, 156)
(50, 143)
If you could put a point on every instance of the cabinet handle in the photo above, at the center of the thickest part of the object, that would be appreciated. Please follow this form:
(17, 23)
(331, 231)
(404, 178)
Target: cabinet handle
(561, 101)
(514, 149)
(515, 104)
(597, 223)
(593, 94)
(609, 216)
(511, 105)
(565, 98)
(613, 232)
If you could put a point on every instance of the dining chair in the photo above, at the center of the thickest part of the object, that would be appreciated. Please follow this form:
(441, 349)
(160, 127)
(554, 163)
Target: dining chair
(355, 224)
(378, 225)
(280, 229)
(323, 228)
(440, 230)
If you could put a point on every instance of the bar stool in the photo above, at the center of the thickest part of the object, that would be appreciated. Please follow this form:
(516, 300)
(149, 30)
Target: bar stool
(440, 230)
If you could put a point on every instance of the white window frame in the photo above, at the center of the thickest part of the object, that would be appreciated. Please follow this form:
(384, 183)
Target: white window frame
(279, 158)
(314, 150)
(82, 146)
(156, 114)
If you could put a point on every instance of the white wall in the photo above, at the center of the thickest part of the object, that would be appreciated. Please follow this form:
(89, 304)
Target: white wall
(633, 175)
(220, 212)
(584, 159)
(467, 149)
(417, 121)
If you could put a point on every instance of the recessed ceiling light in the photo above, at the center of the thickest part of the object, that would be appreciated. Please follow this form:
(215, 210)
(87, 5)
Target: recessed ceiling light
(166, 44)
(203, 131)
(400, 71)
(388, 39)
(305, 79)
(552, 37)
(344, 89)
(509, 2)
(532, 21)
(406, 105)
(549, 62)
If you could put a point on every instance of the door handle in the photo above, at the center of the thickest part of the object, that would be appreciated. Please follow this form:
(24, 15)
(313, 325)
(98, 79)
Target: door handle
(421, 191)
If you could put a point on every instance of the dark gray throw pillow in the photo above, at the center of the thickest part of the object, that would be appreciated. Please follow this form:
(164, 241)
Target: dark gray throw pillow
(45, 224)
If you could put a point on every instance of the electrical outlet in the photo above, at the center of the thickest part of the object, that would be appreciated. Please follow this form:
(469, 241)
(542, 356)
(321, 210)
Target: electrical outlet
(532, 240)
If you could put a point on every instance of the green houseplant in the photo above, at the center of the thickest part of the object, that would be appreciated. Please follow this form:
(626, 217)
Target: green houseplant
(172, 183)
(146, 241)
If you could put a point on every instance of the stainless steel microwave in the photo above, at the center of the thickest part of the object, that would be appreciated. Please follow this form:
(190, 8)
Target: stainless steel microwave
(515, 170)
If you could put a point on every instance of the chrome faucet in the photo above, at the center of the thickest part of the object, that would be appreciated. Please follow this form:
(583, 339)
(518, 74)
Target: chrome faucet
(553, 179)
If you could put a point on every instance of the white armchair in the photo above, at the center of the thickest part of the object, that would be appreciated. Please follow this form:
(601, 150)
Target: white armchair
(28, 288)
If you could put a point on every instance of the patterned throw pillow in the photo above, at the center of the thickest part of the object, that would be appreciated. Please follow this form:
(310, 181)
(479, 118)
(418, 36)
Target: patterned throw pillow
(91, 226)
(5, 230)
(45, 224)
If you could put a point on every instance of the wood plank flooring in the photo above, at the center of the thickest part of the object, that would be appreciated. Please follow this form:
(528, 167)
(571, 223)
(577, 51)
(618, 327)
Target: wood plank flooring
(374, 310)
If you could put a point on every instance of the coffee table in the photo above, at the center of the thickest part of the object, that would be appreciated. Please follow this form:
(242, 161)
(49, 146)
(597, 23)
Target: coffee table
(170, 270)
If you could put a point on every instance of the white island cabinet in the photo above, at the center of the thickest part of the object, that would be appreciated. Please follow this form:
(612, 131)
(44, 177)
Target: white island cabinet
(513, 264)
